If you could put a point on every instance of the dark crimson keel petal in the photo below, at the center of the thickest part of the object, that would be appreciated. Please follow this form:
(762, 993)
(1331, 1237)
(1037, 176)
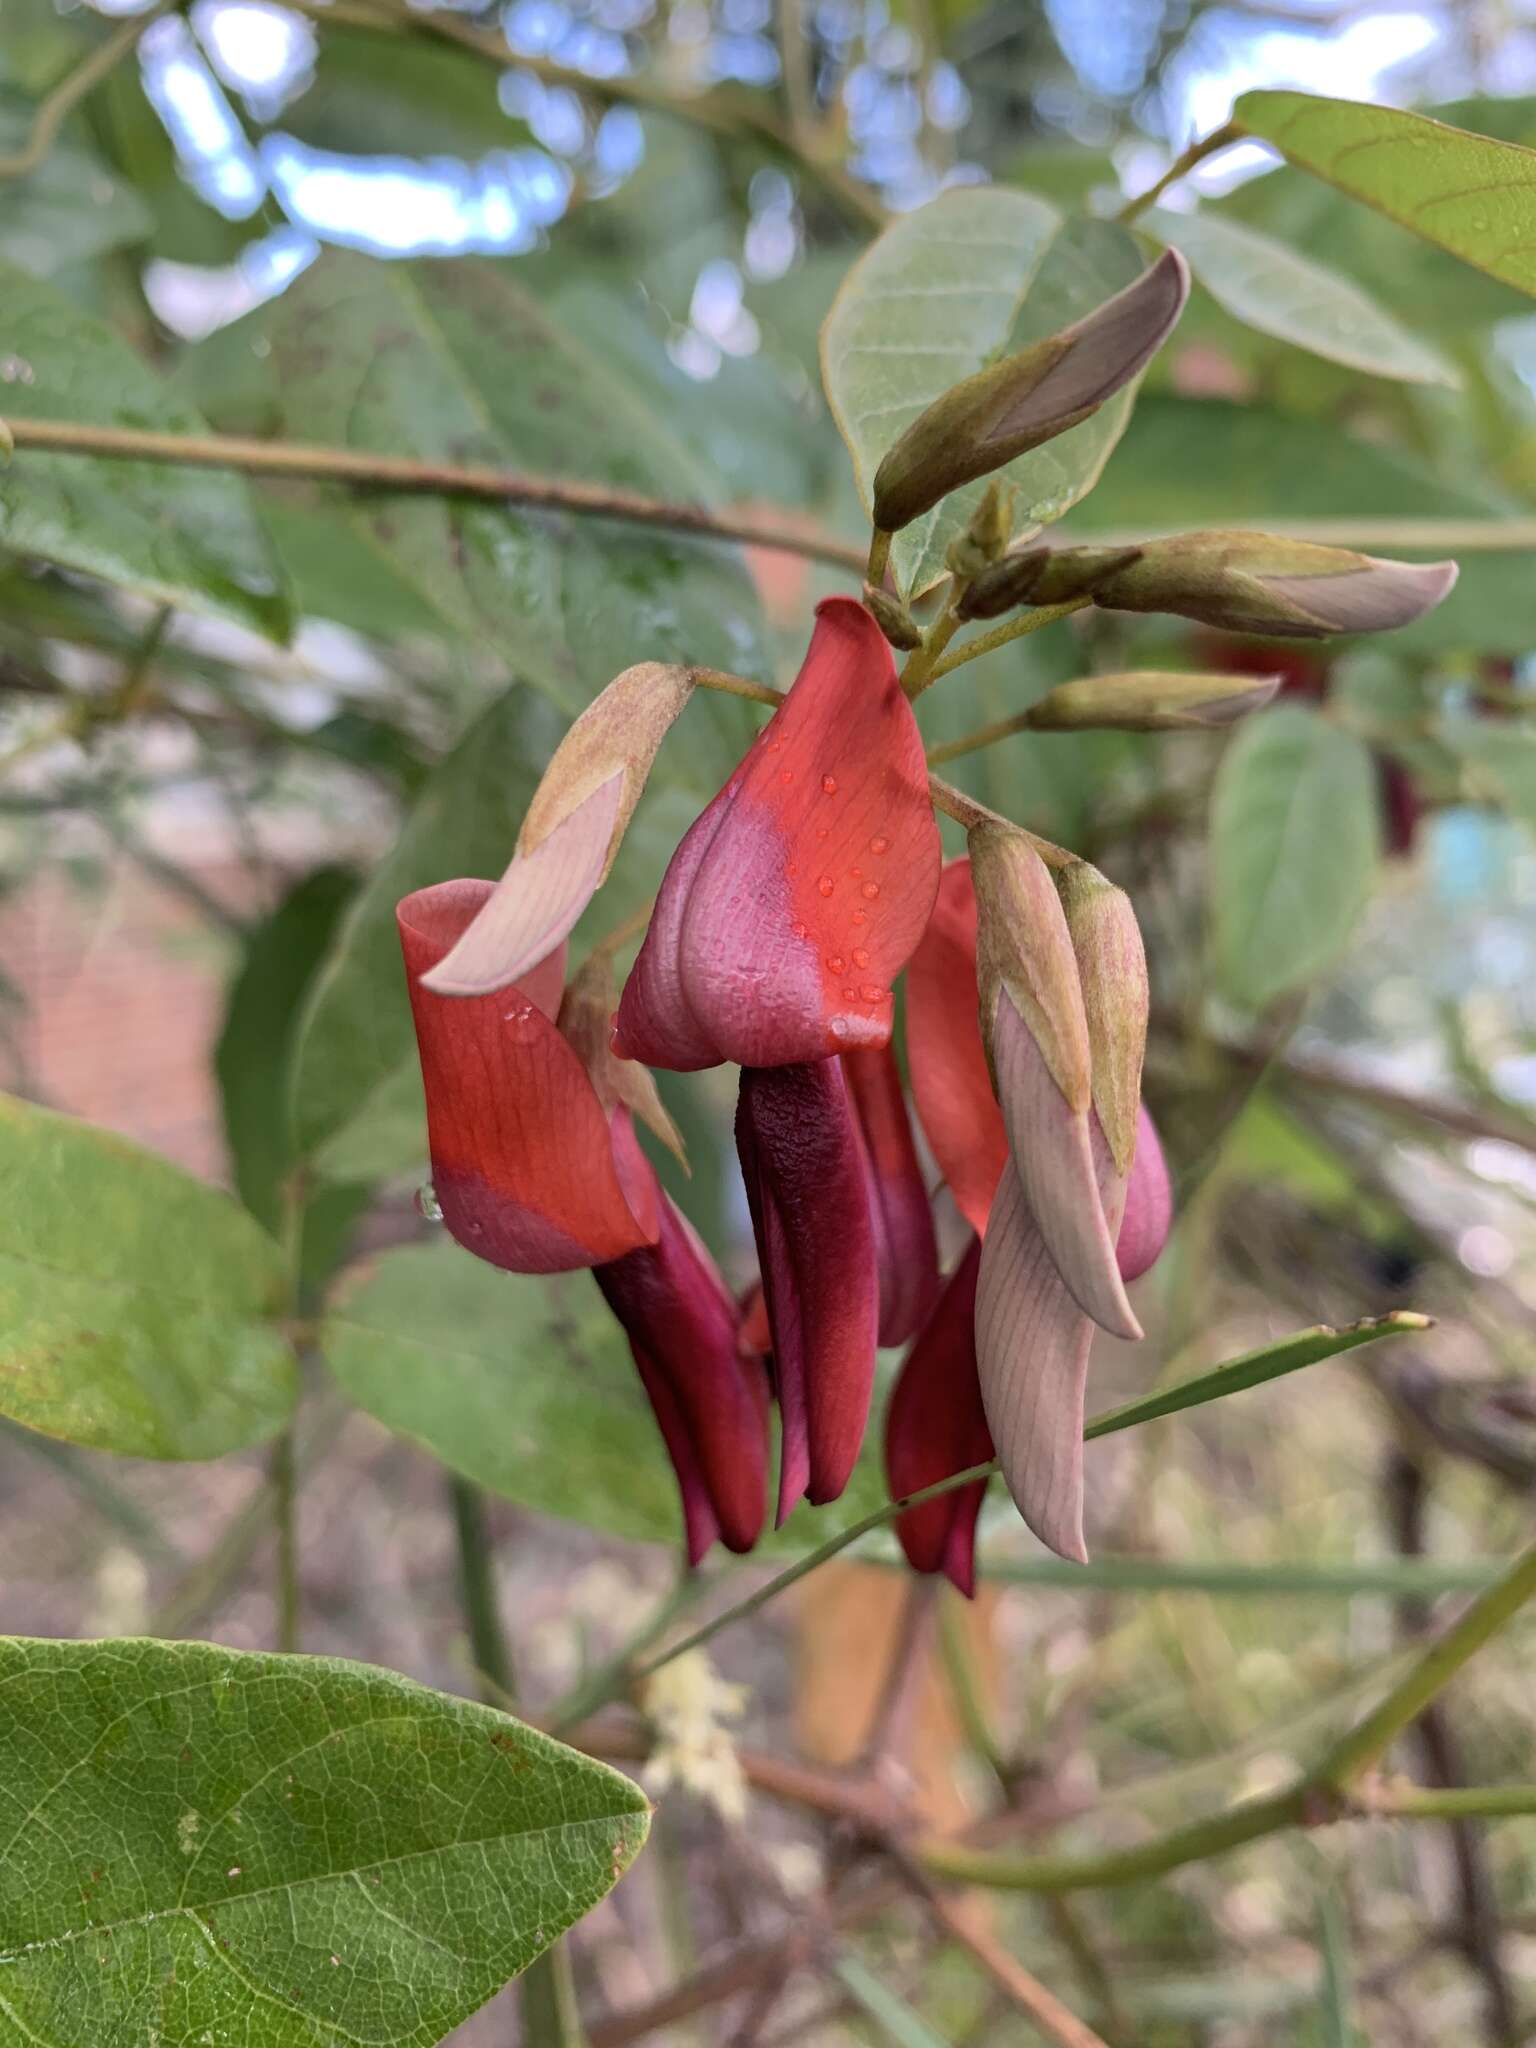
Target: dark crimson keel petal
(810, 1211)
(710, 1402)
(935, 1427)
(522, 1162)
(798, 896)
(906, 1252)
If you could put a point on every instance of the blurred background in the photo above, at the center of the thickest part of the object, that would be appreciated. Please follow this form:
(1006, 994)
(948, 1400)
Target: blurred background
(1362, 1139)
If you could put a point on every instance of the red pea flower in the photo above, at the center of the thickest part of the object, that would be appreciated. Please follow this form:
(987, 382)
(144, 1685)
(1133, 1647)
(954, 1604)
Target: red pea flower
(936, 1426)
(522, 1151)
(798, 895)
(710, 1402)
(804, 1175)
(906, 1252)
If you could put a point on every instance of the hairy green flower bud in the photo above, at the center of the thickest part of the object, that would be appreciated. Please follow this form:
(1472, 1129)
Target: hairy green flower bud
(1144, 701)
(1112, 969)
(1260, 583)
(893, 618)
(1030, 397)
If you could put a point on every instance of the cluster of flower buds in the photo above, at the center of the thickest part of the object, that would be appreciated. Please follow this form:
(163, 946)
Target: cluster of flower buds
(1240, 582)
(800, 895)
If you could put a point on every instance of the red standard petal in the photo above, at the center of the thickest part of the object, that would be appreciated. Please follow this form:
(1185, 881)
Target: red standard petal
(906, 1253)
(1148, 1204)
(797, 898)
(951, 1086)
(935, 1427)
(522, 1161)
(710, 1403)
(810, 1212)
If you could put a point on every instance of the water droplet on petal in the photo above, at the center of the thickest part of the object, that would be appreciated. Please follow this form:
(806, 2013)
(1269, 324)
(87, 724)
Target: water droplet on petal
(801, 931)
(825, 886)
(786, 775)
(850, 995)
(836, 962)
(821, 831)
(880, 844)
(856, 873)
(829, 785)
(861, 917)
(427, 1203)
(839, 1027)
(860, 956)
(870, 993)
(870, 890)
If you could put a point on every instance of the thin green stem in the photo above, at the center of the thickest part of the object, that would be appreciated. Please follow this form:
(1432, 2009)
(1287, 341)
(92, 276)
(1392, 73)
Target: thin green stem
(1002, 635)
(879, 557)
(477, 1591)
(982, 736)
(613, 1678)
(1365, 1745)
(1326, 1793)
(283, 1478)
(922, 665)
(53, 111)
(1181, 168)
(802, 1567)
(364, 470)
(734, 686)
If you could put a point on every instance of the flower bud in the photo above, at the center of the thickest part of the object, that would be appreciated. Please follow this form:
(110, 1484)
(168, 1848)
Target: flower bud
(1035, 1028)
(1112, 971)
(1028, 398)
(893, 618)
(586, 1025)
(572, 831)
(1143, 701)
(1260, 583)
(1039, 575)
(987, 533)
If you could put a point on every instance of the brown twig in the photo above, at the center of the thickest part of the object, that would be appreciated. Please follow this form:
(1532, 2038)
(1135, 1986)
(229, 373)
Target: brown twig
(364, 470)
(1025, 1993)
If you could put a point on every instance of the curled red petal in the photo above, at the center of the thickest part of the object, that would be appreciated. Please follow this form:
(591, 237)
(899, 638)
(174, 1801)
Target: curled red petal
(798, 896)
(906, 1252)
(522, 1161)
(951, 1087)
(710, 1403)
(810, 1212)
(936, 1426)
(1148, 1204)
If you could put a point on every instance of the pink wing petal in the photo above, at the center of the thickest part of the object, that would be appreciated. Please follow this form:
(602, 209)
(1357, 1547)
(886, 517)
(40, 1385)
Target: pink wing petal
(1148, 1204)
(534, 906)
(1053, 1161)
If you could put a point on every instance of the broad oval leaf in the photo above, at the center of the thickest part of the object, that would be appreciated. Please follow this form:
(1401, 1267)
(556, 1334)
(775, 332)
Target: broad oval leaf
(211, 1846)
(522, 1383)
(136, 1303)
(454, 362)
(1267, 285)
(944, 290)
(1466, 193)
(183, 536)
(1294, 849)
(68, 210)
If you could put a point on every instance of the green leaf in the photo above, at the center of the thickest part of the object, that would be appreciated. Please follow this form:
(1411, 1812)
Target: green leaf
(356, 1037)
(896, 2021)
(69, 210)
(1271, 1362)
(283, 1851)
(978, 272)
(373, 90)
(254, 1054)
(521, 1383)
(1268, 286)
(1465, 193)
(135, 1301)
(1389, 1578)
(453, 362)
(1499, 762)
(1294, 849)
(187, 537)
